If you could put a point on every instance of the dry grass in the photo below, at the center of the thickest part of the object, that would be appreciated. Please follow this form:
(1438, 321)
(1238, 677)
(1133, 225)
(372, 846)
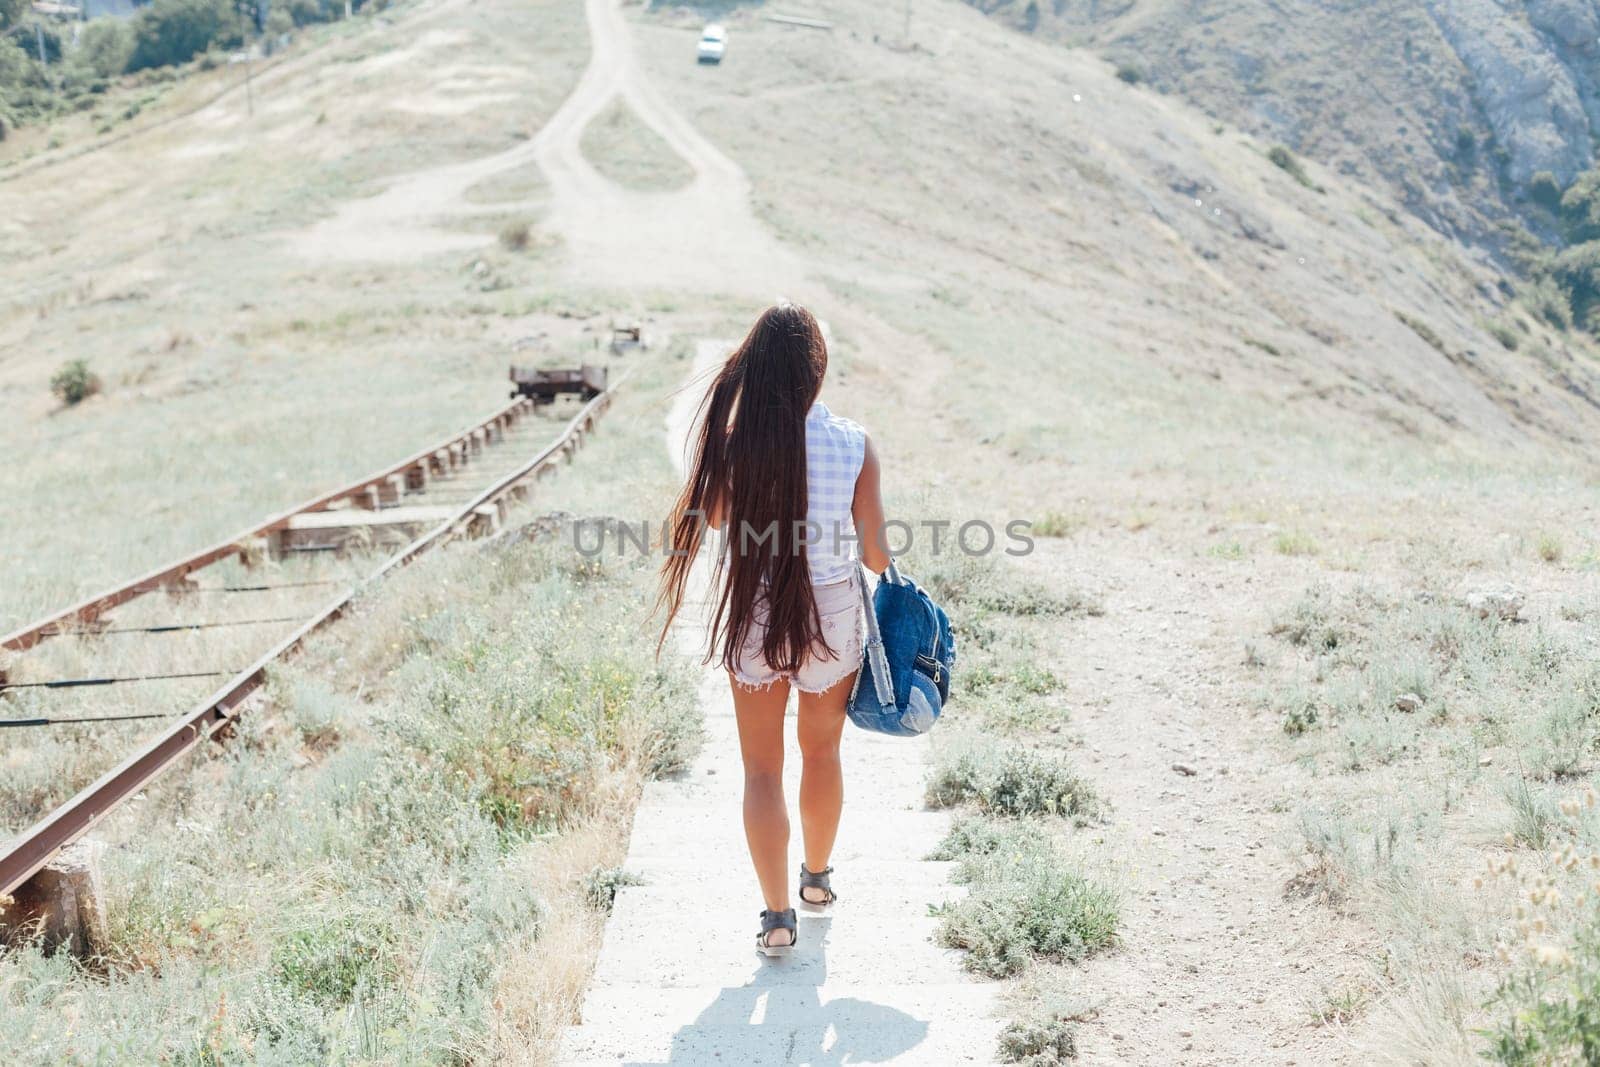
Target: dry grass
(255, 374)
(631, 154)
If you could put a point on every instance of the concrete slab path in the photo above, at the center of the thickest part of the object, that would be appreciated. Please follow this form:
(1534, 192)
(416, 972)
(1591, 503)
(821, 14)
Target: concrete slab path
(679, 981)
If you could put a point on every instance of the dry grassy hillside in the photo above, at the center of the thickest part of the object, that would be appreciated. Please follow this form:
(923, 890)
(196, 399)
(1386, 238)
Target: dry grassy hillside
(1132, 288)
(242, 374)
(1453, 107)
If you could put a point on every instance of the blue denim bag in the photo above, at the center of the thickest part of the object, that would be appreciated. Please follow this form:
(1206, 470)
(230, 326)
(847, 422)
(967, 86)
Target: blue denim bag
(905, 671)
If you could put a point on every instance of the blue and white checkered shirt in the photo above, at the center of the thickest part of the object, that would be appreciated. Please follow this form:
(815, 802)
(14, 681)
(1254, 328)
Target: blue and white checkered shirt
(835, 449)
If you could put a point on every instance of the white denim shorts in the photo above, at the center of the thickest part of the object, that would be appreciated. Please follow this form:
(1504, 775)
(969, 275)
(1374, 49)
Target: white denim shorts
(843, 626)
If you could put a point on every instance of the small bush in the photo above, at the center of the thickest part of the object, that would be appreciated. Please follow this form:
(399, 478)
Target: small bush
(333, 958)
(106, 46)
(1287, 162)
(169, 32)
(1551, 1007)
(1544, 190)
(1299, 710)
(515, 236)
(1039, 1043)
(979, 582)
(1315, 623)
(74, 383)
(1505, 333)
(1128, 73)
(1294, 543)
(1580, 208)
(1010, 780)
(1535, 818)
(1226, 550)
(1424, 331)
(1550, 548)
(1055, 524)
(600, 887)
(1024, 902)
(1547, 300)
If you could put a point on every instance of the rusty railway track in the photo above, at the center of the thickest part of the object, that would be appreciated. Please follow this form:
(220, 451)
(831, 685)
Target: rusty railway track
(23, 856)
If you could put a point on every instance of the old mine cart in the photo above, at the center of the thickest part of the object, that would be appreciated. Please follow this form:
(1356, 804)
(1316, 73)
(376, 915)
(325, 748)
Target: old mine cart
(544, 385)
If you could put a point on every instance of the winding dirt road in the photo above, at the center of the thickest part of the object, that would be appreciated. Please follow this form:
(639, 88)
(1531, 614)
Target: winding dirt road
(702, 238)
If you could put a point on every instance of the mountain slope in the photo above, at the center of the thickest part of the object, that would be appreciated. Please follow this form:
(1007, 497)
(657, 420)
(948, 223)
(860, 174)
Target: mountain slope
(1455, 105)
(1102, 267)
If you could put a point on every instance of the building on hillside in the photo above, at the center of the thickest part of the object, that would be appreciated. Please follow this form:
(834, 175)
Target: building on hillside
(86, 9)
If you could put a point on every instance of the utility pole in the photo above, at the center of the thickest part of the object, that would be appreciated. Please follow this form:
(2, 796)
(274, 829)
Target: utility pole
(245, 22)
(908, 23)
(38, 36)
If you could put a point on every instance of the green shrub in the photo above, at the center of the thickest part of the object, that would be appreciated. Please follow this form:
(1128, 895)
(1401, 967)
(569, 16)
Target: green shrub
(1505, 333)
(1315, 622)
(1055, 524)
(1286, 161)
(1550, 1009)
(169, 32)
(1424, 331)
(1580, 208)
(1007, 779)
(1294, 543)
(601, 885)
(1544, 190)
(335, 956)
(525, 726)
(980, 582)
(1577, 271)
(1298, 707)
(1128, 73)
(105, 47)
(74, 382)
(1548, 300)
(1039, 1042)
(1024, 901)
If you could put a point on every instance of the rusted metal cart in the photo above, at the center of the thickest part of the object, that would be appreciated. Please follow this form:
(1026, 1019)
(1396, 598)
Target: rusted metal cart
(542, 386)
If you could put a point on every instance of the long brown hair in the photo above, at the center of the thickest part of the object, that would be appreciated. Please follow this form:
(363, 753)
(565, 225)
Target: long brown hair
(750, 461)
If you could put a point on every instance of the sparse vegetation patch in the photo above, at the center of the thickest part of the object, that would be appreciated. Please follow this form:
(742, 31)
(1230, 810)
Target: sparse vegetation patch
(1290, 164)
(382, 900)
(1025, 901)
(74, 383)
(1009, 780)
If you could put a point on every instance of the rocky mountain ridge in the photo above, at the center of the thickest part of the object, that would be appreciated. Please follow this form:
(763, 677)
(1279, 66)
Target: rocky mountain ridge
(1455, 105)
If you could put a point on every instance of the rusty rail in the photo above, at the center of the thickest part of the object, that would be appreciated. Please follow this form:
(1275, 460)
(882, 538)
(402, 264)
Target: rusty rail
(23, 855)
(88, 610)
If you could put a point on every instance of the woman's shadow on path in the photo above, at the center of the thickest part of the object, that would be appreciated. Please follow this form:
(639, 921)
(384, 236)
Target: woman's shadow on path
(779, 1017)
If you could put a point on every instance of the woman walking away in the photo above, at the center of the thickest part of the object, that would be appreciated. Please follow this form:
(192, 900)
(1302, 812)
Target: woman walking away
(788, 483)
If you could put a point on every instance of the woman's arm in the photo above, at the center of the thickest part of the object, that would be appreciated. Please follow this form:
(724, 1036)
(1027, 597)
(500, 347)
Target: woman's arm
(867, 510)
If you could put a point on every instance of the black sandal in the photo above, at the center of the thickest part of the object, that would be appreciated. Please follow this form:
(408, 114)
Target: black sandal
(816, 880)
(776, 920)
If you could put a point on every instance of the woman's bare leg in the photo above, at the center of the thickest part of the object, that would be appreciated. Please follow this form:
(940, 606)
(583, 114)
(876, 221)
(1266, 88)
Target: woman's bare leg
(766, 818)
(821, 778)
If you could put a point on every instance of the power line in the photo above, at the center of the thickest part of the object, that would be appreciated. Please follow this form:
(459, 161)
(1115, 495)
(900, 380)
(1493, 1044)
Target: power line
(87, 718)
(79, 683)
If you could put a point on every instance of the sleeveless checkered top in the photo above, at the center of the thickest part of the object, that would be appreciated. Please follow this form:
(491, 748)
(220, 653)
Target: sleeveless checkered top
(835, 449)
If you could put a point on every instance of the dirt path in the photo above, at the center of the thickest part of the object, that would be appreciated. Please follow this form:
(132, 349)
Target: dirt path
(703, 237)
(1218, 966)
(678, 980)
